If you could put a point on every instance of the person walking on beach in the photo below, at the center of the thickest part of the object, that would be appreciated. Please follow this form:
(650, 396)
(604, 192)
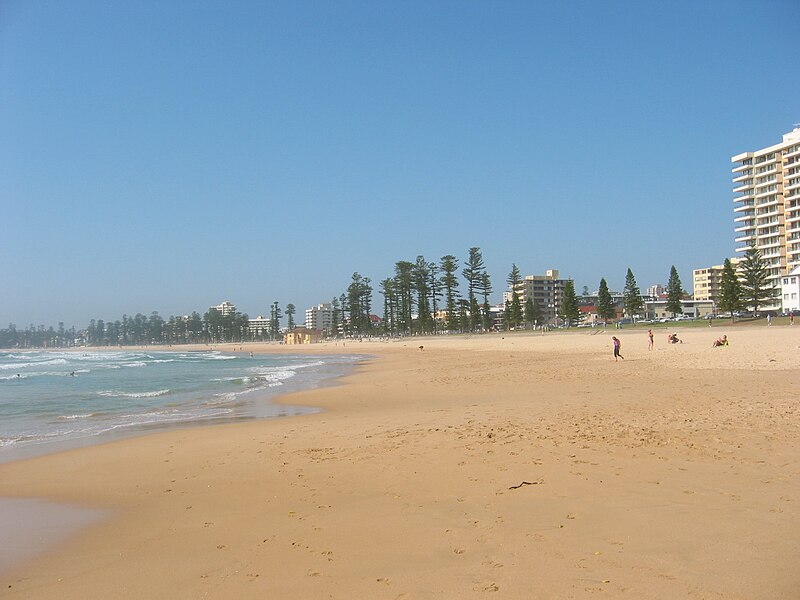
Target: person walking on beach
(649, 339)
(617, 347)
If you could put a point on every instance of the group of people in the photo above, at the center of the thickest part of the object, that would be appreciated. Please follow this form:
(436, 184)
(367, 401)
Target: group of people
(672, 338)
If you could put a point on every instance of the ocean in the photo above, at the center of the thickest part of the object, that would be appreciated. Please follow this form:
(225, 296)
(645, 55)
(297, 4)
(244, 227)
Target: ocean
(57, 398)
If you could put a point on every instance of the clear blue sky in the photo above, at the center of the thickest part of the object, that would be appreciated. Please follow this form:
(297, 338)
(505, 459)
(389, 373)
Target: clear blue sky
(170, 155)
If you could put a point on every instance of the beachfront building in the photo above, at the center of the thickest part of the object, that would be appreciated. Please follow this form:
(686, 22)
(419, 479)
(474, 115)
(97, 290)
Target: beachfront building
(546, 290)
(657, 309)
(225, 309)
(656, 291)
(707, 282)
(301, 335)
(767, 203)
(259, 327)
(320, 317)
(790, 291)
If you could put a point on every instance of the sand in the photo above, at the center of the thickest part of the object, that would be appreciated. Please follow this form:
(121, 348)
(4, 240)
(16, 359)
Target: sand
(499, 466)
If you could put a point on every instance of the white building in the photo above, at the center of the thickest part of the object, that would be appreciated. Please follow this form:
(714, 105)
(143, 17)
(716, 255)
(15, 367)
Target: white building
(767, 203)
(546, 290)
(259, 326)
(654, 291)
(225, 309)
(657, 309)
(790, 291)
(320, 317)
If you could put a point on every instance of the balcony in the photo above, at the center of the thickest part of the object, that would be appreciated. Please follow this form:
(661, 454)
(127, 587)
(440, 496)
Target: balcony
(764, 217)
(766, 245)
(742, 167)
(745, 186)
(742, 176)
(773, 189)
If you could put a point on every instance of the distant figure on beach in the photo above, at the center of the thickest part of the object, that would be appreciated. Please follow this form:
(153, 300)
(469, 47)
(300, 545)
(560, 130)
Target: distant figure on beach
(769, 319)
(617, 347)
(649, 339)
(791, 318)
(672, 338)
(723, 341)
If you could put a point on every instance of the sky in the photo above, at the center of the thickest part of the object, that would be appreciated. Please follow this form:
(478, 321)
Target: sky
(167, 156)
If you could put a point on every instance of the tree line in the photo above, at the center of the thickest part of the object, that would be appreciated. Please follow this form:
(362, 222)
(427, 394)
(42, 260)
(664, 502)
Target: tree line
(420, 297)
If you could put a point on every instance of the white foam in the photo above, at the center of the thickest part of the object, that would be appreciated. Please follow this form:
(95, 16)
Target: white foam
(12, 366)
(118, 394)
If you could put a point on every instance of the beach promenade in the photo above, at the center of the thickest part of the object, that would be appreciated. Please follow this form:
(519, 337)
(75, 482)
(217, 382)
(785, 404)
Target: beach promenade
(501, 466)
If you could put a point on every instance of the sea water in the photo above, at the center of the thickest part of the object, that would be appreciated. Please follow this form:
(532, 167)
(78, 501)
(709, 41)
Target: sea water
(80, 395)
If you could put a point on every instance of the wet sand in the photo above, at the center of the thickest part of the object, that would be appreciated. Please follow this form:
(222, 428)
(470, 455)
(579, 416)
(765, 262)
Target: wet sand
(516, 465)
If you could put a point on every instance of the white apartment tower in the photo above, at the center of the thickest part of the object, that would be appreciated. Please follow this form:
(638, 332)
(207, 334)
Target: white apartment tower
(767, 203)
(546, 290)
(225, 309)
(320, 317)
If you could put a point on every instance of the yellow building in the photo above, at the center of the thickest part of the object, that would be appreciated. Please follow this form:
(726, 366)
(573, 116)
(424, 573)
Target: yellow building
(301, 335)
(707, 282)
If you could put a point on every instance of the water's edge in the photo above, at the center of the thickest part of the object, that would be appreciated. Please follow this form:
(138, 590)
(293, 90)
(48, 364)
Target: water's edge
(35, 526)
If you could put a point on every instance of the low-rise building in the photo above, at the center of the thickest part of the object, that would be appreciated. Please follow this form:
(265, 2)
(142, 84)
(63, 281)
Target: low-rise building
(657, 309)
(790, 291)
(301, 335)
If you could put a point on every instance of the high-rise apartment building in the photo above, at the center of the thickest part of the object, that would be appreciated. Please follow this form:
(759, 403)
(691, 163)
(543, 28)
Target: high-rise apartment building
(546, 290)
(767, 203)
(320, 317)
(225, 309)
(707, 282)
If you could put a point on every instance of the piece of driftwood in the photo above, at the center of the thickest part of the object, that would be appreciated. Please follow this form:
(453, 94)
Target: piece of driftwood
(516, 487)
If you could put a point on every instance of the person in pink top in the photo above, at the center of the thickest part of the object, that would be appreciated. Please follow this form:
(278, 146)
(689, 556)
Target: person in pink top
(617, 347)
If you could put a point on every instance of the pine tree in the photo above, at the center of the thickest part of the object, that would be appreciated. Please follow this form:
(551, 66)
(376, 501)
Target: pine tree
(529, 310)
(404, 287)
(730, 293)
(757, 290)
(515, 306)
(449, 283)
(569, 304)
(631, 296)
(486, 290)
(605, 304)
(290, 312)
(421, 279)
(389, 305)
(336, 317)
(674, 292)
(473, 274)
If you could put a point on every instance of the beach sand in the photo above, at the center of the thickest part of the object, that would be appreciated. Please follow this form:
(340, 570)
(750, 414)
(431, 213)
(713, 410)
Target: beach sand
(500, 466)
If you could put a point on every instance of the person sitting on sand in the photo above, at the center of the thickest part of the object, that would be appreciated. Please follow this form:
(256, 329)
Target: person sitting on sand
(672, 338)
(723, 341)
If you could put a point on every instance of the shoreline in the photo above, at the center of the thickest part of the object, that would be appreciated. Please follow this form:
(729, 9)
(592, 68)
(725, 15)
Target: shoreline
(255, 410)
(641, 476)
(38, 527)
